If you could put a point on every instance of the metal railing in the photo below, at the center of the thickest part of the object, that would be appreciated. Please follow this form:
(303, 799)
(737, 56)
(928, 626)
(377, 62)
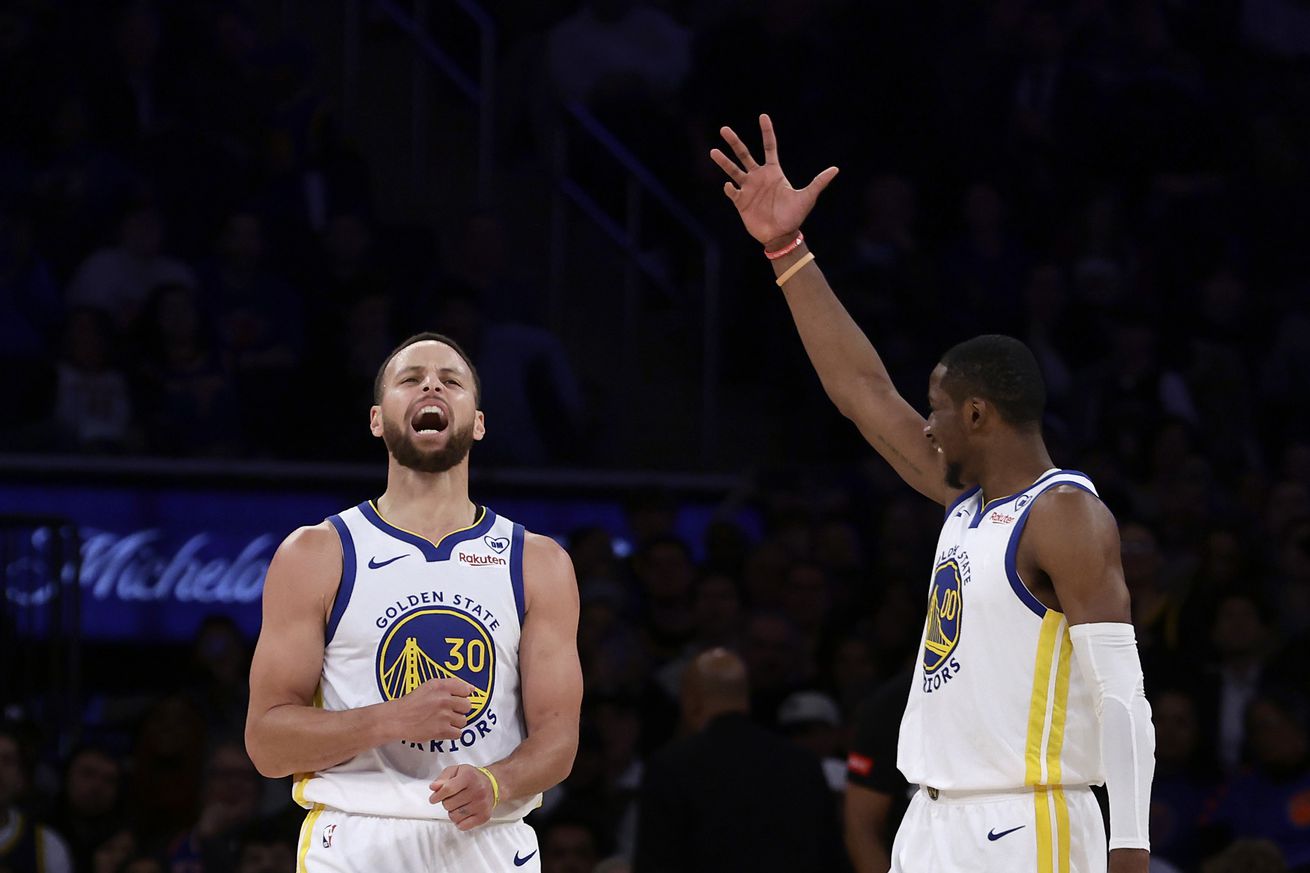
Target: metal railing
(427, 54)
(641, 187)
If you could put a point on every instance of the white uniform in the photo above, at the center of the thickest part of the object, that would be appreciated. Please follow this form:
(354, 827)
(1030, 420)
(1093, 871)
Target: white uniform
(409, 610)
(1000, 731)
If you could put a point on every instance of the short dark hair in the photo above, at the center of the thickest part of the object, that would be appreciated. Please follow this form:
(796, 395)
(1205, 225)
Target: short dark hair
(429, 336)
(1001, 370)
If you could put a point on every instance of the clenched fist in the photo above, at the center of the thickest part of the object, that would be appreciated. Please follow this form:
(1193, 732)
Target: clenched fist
(438, 710)
(466, 793)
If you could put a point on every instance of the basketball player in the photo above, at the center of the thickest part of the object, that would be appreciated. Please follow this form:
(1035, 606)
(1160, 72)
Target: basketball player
(1028, 688)
(417, 668)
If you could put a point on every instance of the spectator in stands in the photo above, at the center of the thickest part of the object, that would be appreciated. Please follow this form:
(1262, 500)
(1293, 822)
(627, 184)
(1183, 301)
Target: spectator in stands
(1270, 800)
(569, 846)
(706, 802)
(93, 404)
(89, 810)
(187, 397)
(25, 845)
(1185, 777)
(116, 279)
(229, 804)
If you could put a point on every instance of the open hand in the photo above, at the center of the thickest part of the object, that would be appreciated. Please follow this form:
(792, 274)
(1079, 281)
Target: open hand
(770, 207)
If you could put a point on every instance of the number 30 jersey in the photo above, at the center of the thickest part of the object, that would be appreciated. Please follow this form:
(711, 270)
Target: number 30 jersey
(409, 610)
(998, 701)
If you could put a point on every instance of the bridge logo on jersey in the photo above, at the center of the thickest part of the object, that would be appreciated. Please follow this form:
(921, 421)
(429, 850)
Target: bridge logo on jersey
(945, 604)
(437, 643)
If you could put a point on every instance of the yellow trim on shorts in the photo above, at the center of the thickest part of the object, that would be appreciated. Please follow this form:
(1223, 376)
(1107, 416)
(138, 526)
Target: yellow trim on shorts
(1042, 756)
(306, 835)
(302, 779)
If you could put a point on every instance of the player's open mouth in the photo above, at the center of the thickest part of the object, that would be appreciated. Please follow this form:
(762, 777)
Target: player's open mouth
(430, 419)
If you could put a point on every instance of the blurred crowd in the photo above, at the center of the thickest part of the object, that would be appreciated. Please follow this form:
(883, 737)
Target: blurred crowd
(189, 246)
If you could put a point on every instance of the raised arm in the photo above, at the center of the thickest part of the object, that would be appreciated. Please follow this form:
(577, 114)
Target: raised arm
(285, 731)
(1073, 540)
(551, 686)
(849, 367)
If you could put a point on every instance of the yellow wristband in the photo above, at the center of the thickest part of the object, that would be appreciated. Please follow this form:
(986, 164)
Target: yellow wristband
(795, 268)
(495, 786)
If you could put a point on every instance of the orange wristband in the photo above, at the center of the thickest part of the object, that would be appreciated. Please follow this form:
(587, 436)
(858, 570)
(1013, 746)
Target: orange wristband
(785, 250)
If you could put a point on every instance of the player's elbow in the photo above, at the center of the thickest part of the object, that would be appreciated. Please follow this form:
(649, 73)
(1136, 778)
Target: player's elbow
(267, 763)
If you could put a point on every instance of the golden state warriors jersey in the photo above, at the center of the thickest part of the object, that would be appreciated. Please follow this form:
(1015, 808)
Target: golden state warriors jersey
(409, 610)
(997, 701)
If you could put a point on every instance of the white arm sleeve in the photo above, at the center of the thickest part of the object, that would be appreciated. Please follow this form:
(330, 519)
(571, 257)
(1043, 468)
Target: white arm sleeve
(1107, 651)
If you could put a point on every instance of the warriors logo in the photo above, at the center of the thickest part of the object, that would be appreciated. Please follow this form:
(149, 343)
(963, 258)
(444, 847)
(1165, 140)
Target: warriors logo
(437, 644)
(944, 607)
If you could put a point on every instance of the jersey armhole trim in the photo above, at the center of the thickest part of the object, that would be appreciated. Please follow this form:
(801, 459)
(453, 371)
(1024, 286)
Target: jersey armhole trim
(1020, 587)
(516, 571)
(347, 584)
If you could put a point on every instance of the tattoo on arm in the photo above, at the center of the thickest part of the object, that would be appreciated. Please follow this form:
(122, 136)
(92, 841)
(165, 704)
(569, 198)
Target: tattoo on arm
(899, 454)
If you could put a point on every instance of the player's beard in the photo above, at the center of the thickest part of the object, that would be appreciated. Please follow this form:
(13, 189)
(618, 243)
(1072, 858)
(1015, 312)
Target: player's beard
(953, 473)
(399, 440)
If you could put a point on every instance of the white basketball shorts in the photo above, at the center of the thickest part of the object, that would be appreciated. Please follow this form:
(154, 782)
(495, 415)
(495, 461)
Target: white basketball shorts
(341, 842)
(1044, 830)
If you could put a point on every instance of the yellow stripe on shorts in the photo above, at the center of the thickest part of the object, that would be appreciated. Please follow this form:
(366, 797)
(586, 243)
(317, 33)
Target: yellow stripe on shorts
(307, 834)
(1047, 716)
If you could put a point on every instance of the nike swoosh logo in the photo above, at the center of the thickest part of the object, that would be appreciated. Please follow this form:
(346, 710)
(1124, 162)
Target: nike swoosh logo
(519, 862)
(993, 835)
(375, 564)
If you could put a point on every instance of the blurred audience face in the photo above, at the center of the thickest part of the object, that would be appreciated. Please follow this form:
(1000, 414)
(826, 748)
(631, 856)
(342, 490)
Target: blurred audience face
(568, 848)
(92, 784)
(242, 242)
(592, 551)
(11, 772)
(222, 652)
(233, 781)
(806, 596)
(1238, 629)
(1278, 739)
(1141, 556)
(716, 608)
(1176, 729)
(770, 651)
(142, 232)
(665, 571)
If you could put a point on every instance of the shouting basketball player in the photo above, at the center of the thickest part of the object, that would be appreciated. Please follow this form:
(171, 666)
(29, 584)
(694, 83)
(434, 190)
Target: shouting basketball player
(1028, 689)
(417, 667)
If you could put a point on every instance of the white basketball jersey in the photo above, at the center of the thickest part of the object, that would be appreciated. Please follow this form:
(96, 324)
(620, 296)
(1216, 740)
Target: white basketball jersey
(409, 610)
(997, 701)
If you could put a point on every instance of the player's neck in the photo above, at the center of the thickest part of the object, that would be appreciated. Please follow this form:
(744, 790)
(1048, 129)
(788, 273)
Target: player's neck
(431, 504)
(1013, 465)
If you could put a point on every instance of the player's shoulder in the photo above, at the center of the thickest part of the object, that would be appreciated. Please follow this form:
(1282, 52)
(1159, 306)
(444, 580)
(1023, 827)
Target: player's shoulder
(312, 539)
(544, 553)
(1066, 507)
(311, 552)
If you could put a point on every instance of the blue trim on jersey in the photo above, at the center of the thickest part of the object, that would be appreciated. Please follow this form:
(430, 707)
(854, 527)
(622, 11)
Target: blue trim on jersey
(1012, 551)
(991, 504)
(516, 570)
(347, 586)
(439, 551)
(963, 497)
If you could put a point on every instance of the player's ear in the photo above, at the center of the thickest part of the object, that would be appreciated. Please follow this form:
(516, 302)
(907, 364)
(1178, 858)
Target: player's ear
(479, 425)
(375, 420)
(976, 412)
